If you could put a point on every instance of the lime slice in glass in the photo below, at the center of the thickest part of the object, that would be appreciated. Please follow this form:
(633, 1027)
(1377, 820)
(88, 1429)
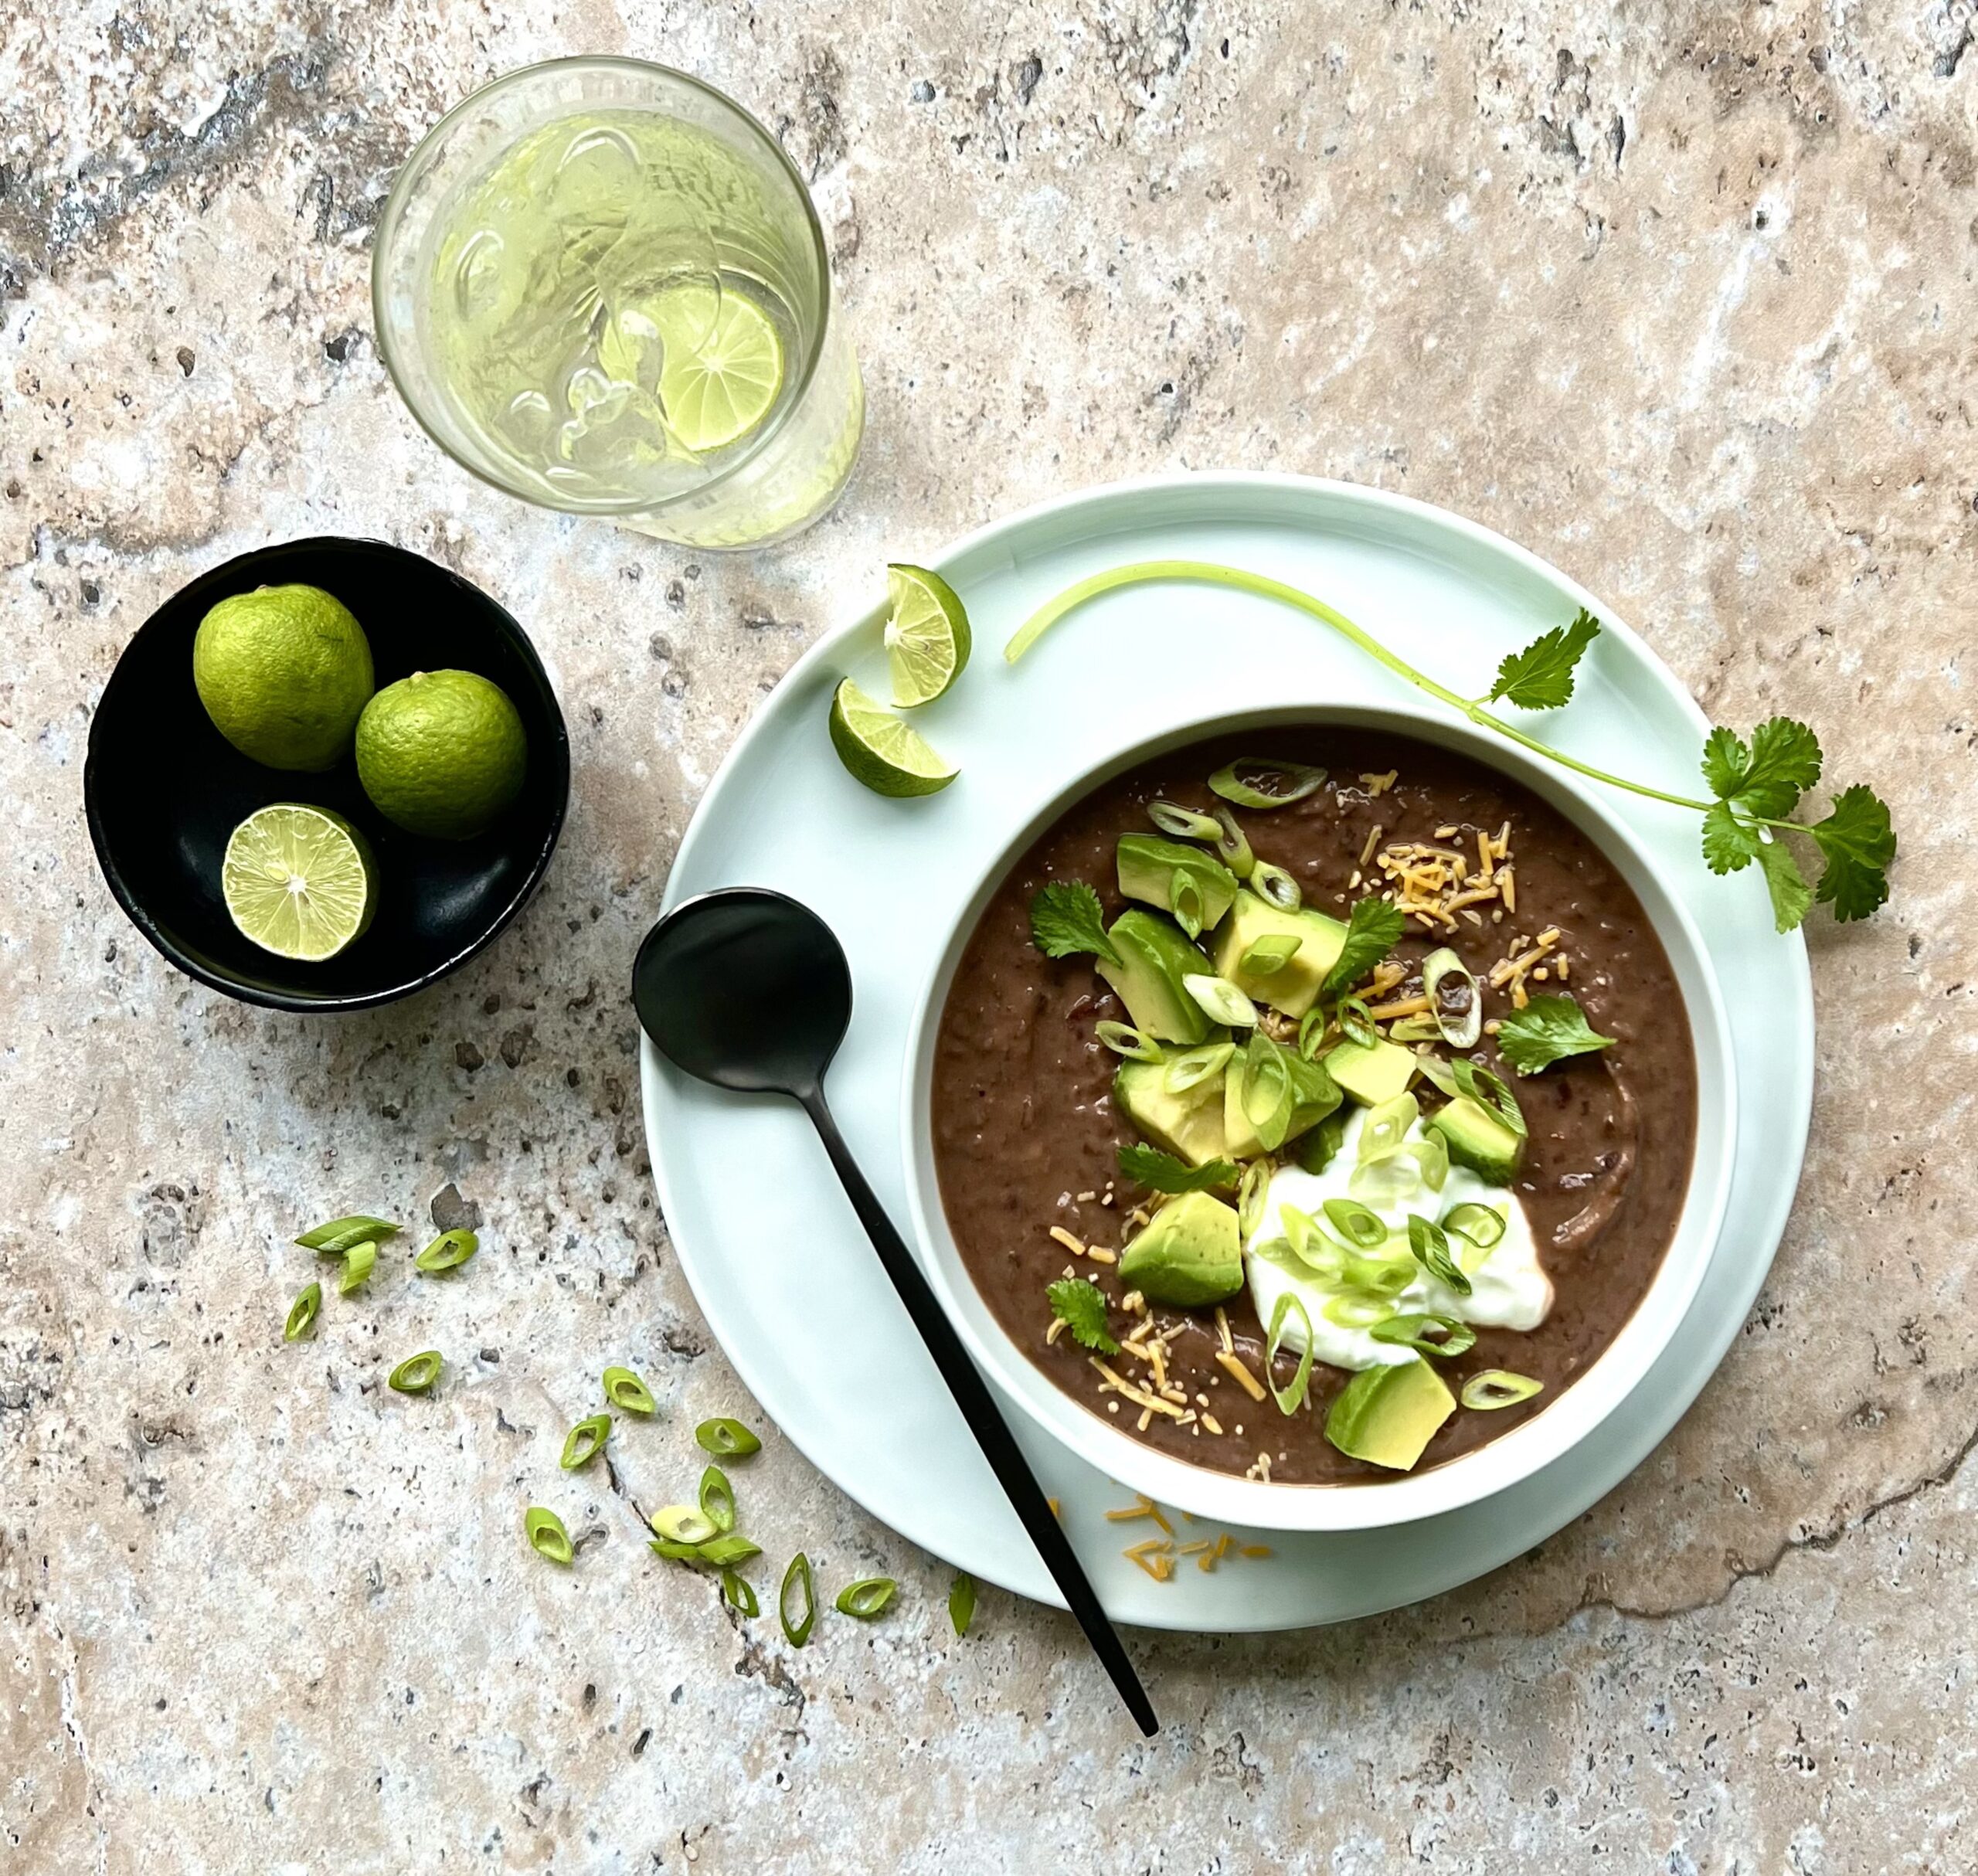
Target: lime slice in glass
(880, 750)
(298, 881)
(722, 364)
(927, 640)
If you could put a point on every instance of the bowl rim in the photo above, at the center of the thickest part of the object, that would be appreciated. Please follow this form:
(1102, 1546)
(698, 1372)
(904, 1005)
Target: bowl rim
(222, 574)
(1512, 1457)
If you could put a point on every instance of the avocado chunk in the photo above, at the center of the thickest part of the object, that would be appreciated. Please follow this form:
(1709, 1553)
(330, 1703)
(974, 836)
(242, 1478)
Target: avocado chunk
(1293, 986)
(1316, 1096)
(1371, 1072)
(1153, 959)
(1148, 865)
(1479, 1139)
(1387, 1415)
(1190, 1255)
(1188, 1125)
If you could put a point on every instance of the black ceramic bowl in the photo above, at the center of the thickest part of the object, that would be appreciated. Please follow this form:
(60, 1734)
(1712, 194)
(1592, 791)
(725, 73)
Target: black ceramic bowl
(164, 789)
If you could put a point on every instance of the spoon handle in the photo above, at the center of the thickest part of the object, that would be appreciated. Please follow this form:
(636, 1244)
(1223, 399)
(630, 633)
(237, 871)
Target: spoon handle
(985, 1421)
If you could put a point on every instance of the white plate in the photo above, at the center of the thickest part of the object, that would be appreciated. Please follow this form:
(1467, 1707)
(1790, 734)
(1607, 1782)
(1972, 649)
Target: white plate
(773, 1253)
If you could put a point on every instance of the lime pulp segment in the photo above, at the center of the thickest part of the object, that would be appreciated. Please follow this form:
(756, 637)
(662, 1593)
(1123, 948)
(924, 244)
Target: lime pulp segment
(298, 881)
(880, 751)
(722, 364)
(927, 635)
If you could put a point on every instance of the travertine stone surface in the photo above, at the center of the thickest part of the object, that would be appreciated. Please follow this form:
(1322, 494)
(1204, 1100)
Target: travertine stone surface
(1680, 295)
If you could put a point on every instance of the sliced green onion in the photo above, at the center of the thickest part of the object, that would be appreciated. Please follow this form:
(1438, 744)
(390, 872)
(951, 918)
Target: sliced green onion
(1475, 1080)
(1427, 1335)
(1483, 1225)
(1498, 1387)
(718, 1500)
(585, 1441)
(1256, 782)
(1291, 1399)
(1268, 1098)
(416, 1374)
(1251, 1193)
(448, 1252)
(1438, 1073)
(547, 1538)
(1431, 1246)
(726, 1438)
(1221, 1000)
(1276, 887)
(1312, 1029)
(1385, 1277)
(1385, 1184)
(1135, 1045)
(1351, 1310)
(357, 1264)
(1454, 999)
(1193, 1066)
(1432, 1153)
(1232, 846)
(867, 1598)
(1356, 1021)
(302, 1313)
(676, 1551)
(727, 1550)
(1361, 1227)
(684, 1524)
(1417, 1028)
(739, 1594)
(1183, 823)
(334, 1238)
(798, 1575)
(1184, 900)
(625, 1391)
(1385, 1128)
(1269, 956)
(961, 1603)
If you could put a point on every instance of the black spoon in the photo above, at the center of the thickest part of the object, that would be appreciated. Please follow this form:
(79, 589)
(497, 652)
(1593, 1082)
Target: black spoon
(750, 991)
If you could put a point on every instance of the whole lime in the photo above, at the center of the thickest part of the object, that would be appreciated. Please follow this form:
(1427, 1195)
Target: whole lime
(442, 753)
(284, 672)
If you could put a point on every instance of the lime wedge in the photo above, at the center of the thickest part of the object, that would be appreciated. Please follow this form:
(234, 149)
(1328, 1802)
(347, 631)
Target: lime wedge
(927, 640)
(298, 881)
(722, 366)
(880, 750)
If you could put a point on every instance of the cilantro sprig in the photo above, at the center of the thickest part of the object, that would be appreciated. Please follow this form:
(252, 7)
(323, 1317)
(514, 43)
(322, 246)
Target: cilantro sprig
(1756, 786)
(1373, 929)
(1162, 1172)
(1081, 1307)
(1548, 1029)
(1067, 919)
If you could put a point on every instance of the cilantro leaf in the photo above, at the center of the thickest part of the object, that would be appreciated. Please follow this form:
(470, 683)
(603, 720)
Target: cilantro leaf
(1547, 1029)
(1857, 844)
(1162, 1172)
(1791, 895)
(1729, 844)
(1766, 777)
(1373, 929)
(1725, 759)
(1540, 677)
(1066, 919)
(1081, 1307)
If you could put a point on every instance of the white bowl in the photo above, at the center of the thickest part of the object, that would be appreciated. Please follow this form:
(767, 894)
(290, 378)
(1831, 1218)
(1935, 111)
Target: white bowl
(1512, 1457)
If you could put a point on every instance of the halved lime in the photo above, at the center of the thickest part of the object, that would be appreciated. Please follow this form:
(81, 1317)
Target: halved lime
(880, 750)
(927, 640)
(299, 881)
(722, 366)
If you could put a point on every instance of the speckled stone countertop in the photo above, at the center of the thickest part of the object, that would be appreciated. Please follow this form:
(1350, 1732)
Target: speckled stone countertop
(1686, 304)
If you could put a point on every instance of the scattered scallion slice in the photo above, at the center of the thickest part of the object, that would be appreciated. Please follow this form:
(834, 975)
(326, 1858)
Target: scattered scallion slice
(1314, 1027)
(1276, 887)
(1250, 1197)
(1455, 1000)
(416, 1374)
(1384, 1277)
(1498, 1387)
(1416, 1028)
(718, 1500)
(867, 1598)
(1483, 1226)
(1426, 1334)
(1481, 1085)
(1268, 1100)
(585, 1441)
(1256, 782)
(726, 1438)
(302, 1313)
(684, 1524)
(1184, 900)
(729, 1549)
(1193, 1066)
(547, 1538)
(357, 1266)
(1232, 845)
(1356, 1021)
(334, 1238)
(961, 1603)
(1385, 1128)
(1360, 1225)
(1432, 1153)
(1135, 1045)
(448, 1252)
(1270, 954)
(674, 1551)
(739, 1593)
(1291, 1399)
(1183, 823)
(798, 1577)
(1220, 1000)
(1431, 1246)
(1352, 1310)
(626, 1391)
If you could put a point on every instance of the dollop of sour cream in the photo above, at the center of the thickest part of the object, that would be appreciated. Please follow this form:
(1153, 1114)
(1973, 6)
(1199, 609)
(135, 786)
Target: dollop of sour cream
(1509, 1289)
